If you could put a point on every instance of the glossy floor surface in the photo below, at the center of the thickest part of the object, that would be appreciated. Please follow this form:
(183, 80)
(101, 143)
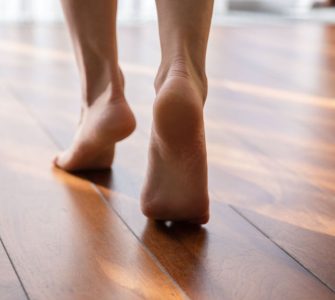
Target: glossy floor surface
(270, 128)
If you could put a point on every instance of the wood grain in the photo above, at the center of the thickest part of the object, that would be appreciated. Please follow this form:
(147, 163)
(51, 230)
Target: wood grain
(270, 145)
(281, 152)
(64, 242)
(10, 287)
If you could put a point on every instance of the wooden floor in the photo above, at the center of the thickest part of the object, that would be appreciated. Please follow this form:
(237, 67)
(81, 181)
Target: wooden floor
(270, 125)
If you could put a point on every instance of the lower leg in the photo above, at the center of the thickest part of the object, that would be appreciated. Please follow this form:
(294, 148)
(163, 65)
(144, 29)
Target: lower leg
(106, 117)
(176, 187)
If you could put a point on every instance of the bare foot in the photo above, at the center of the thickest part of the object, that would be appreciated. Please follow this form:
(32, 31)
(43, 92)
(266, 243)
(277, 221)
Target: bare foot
(176, 184)
(102, 124)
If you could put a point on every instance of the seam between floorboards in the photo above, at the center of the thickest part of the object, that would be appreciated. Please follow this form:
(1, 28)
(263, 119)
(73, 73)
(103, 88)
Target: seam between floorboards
(94, 187)
(10, 94)
(101, 197)
(146, 249)
(14, 269)
(265, 234)
(269, 238)
(288, 169)
(280, 247)
(32, 115)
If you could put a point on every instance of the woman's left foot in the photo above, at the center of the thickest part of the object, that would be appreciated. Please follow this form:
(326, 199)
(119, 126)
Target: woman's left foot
(102, 124)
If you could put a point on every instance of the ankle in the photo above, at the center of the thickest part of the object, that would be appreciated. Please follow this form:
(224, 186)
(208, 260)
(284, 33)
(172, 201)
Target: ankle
(183, 67)
(108, 87)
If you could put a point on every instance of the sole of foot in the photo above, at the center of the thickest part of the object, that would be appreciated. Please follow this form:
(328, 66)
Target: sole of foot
(101, 126)
(176, 183)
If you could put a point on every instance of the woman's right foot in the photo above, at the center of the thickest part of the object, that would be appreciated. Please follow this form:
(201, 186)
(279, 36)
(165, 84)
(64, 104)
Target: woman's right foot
(176, 183)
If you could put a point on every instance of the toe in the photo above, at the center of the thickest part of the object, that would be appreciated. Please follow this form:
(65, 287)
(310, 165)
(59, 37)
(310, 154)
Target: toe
(54, 160)
(61, 160)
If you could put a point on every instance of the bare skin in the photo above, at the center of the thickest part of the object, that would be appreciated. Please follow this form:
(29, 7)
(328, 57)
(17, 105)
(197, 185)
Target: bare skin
(176, 182)
(106, 117)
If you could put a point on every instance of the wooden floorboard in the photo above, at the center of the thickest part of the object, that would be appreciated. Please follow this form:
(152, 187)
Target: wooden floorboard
(210, 258)
(280, 172)
(63, 240)
(286, 163)
(10, 286)
(213, 259)
(270, 149)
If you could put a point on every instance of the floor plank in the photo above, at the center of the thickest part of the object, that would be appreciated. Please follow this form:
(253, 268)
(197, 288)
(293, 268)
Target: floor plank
(64, 242)
(10, 287)
(288, 205)
(282, 153)
(268, 162)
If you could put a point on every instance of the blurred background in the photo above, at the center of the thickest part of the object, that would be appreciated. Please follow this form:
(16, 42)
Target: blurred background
(226, 11)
